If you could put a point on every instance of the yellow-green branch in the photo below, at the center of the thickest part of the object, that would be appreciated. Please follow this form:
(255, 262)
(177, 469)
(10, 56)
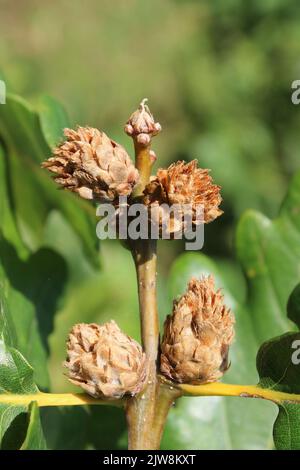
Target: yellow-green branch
(206, 390)
(248, 391)
(55, 399)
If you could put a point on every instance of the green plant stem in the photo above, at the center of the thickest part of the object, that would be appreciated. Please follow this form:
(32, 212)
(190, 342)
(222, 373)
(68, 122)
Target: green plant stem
(144, 164)
(166, 393)
(142, 410)
(56, 399)
(146, 414)
(245, 391)
(145, 258)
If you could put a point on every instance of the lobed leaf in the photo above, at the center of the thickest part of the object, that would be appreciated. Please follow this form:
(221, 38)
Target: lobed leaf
(278, 365)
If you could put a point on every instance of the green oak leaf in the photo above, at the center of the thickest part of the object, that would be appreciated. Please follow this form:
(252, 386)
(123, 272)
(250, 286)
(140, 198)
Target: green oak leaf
(278, 365)
(28, 137)
(16, 376)
(32, 290)
(53, 119)
(34, 439)
(26, 293)
(30, 287)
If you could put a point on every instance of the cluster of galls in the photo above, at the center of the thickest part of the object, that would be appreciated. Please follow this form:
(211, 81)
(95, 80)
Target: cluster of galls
(107, 363)
(92, 165)
(101, 359)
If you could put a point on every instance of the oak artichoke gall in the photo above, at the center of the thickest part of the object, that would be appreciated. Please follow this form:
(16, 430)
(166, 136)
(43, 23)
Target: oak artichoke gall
(105, 362)
(92, 165)
(187, 186)
(197, 335)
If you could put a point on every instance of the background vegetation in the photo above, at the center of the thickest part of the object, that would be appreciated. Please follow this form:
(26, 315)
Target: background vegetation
(218, 76)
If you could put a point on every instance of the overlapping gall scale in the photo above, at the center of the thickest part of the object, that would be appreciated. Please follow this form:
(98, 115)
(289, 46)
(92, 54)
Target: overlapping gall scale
(92, 165)
(197, 335)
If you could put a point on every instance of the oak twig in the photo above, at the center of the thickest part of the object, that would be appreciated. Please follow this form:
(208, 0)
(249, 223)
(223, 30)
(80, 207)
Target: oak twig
(245, 391)
(56, 399)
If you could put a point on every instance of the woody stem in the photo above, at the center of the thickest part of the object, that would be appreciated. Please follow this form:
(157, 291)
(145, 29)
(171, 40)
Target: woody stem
(144, 254)
(146, 413)
(145, 258)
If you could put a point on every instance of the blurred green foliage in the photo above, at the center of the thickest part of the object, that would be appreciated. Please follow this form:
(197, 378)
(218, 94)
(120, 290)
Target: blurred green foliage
(218, 77)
